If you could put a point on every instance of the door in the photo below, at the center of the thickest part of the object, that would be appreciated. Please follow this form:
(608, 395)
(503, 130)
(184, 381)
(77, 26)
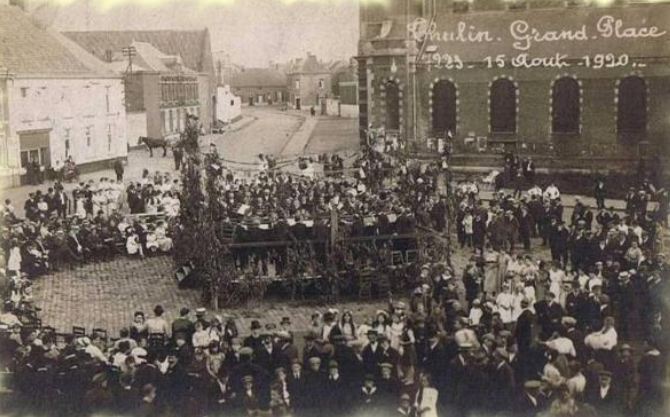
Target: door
(297, 104)
(34, 146)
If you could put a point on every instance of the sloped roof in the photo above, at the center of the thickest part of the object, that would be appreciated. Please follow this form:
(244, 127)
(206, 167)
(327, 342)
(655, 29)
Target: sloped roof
(192, 45)
(27, 48)
(309, 65)
(258, 77)
(155, 60)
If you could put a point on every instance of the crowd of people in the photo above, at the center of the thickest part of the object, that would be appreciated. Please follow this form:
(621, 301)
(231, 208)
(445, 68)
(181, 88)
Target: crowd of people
(580, 334)
(93, 222)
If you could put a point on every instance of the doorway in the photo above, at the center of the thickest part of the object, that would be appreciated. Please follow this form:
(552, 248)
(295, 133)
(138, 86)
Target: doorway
(297, 104)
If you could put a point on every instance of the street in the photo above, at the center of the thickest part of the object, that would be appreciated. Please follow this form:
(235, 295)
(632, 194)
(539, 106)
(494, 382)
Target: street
(265, 130)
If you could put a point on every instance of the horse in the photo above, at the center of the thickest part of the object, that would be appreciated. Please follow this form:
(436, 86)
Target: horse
(152, 143)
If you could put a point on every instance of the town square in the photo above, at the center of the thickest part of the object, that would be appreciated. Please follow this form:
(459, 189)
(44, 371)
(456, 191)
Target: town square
(425, 208)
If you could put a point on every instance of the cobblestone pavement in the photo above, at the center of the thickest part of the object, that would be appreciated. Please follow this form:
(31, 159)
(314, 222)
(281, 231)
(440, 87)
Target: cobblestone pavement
(106, 295)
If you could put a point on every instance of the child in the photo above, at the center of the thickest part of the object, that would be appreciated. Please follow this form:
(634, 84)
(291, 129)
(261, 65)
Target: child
(468, 220)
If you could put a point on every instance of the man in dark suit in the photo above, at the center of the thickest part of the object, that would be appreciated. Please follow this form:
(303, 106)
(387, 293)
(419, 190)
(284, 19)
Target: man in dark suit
(523, 332)
(502, 383)
(531, 401)
(372, 354)
(549, 314)
(268, 356)
(254, 341)
(604, 398)
(348, 362)
(183, 324)
(296, 385)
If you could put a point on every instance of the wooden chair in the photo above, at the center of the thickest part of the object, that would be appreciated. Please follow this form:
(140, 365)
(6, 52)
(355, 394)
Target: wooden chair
(411, 256)
(98, 331)
(396, 257)
(365, 283)
(78, 331)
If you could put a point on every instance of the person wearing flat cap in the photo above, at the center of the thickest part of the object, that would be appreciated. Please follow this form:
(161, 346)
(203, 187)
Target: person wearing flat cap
(605, 398)
(531, 401)
(260, 377)
(623, 376)
(335, 391)
(388, 385)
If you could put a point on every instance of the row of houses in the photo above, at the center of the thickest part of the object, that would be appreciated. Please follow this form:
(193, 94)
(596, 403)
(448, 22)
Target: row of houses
(90, 95)
(301, 83)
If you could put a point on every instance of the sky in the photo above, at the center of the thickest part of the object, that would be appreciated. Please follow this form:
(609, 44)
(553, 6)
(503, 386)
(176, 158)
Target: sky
(252, 32)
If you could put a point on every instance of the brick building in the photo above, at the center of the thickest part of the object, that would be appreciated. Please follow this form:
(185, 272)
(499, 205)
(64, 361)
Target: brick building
(173, 74)
(580, 86)
(309, 82)
(259, 85)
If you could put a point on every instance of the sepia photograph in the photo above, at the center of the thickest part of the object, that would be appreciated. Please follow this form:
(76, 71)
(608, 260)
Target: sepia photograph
(334, 208)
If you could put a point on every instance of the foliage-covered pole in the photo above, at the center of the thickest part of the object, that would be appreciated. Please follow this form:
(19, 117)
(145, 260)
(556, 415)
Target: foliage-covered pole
(187, 242)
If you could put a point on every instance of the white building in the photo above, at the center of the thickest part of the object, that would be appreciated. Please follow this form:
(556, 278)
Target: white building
(228, 105)
(61, 101)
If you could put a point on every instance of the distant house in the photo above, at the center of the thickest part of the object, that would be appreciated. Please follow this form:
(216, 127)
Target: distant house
(229, 105)
(309, 81)
(56, 101)
(173, 74)
(259, 85)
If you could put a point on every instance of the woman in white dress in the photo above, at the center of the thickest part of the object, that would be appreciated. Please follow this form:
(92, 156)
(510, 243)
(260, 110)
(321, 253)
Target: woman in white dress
(99, 202)
(163, 241)
(152, 241)
(396, 330)
(504, 304)
(556, 278)
(425, 401)
(79, 205)
(491, 271)
(14, 261)
(133, 246)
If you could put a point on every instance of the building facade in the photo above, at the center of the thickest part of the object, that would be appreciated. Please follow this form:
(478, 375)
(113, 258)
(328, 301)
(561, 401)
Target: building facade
(173, 58)
(309, 81)
(586, 84)
(58, 102)
(230, 105)
(258, 86)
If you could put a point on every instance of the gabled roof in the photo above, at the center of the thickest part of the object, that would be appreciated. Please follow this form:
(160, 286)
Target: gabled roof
(154, 60)
(309, 65)
(28, 49)
(193, 46)
(258, 77)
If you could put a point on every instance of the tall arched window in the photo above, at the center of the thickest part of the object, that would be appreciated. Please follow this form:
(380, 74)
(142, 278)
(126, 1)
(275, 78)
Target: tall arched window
(392, 105)
(444, 107)
(565, 108)
(632, 105)
(503, 106)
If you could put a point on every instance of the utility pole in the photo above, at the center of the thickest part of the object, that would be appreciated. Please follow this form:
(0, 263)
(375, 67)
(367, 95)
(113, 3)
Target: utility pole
(129, 52)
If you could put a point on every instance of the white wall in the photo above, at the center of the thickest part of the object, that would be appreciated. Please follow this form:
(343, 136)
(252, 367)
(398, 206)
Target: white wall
(228, 105)
(136, 126)
(68, 108)
(332, 107)
(349, 110)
